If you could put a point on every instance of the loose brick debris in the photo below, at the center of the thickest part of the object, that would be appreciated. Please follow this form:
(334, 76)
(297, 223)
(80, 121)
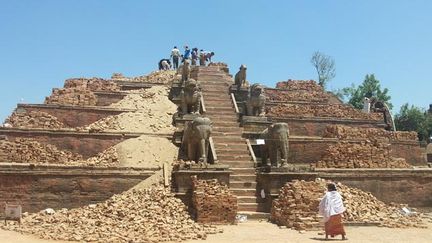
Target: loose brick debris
(298, 90)
(311, 110)
(23, 150)
(366, 154)
(307, 85)
(372, 152)
(138, 215)
(213, 202)
(92, 84)
(296, 95)
(159, 77)
(298, 201)
(79, 96)
(34, 119)
(26, 150)
(347, 132)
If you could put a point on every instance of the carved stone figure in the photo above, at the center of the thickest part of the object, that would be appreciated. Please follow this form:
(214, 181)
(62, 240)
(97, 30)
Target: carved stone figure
(240, 77)
(380, 106)
(196, 139)
(255, 105)
(276, 145)
(190, 97)
(186, 69)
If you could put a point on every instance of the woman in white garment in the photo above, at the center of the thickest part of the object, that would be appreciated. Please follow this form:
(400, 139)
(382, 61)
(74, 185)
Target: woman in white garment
(331, 208)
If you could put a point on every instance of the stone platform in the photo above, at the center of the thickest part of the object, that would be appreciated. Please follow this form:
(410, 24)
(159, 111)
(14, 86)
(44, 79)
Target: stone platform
(74, 116)
(84, 143)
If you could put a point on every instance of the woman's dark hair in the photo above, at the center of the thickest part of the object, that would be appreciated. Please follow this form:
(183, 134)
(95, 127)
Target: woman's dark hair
(331, 187)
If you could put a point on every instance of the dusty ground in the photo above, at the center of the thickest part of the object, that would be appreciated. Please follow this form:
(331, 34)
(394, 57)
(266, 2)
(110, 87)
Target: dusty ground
(254, 231)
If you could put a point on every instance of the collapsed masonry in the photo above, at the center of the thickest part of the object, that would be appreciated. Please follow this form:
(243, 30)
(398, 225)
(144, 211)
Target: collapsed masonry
(142, 215)
(298, 201)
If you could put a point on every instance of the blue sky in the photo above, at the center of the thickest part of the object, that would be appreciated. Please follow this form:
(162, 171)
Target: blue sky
(42, 43)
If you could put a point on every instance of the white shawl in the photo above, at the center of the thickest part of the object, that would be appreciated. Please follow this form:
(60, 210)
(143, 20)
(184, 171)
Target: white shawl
(331, 204)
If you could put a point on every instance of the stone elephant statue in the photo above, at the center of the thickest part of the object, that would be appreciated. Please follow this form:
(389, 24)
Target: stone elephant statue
(276, 145)
(196, 139)
(190, 98)
(255, 104)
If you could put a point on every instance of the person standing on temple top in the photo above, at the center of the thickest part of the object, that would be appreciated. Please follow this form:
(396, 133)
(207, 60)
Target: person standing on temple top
(194, 56)
(186, 54)
(209, 56)
(331, 208)
(175, 55)
(202, 57)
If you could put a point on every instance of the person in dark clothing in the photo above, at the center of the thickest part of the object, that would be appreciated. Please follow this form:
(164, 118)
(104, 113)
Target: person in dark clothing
(164, 67)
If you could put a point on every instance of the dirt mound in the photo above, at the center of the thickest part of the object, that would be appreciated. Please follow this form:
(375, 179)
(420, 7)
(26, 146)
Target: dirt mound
(93, 84)
(157, 77)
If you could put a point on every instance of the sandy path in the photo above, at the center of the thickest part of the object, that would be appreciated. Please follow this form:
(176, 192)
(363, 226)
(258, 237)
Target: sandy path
(263, 232)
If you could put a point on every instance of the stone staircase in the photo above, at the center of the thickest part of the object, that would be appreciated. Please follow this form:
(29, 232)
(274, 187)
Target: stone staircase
(231, 148)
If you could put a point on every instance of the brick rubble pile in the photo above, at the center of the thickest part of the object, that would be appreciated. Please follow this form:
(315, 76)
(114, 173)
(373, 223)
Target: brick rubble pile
(307, 85)
(347, 132)
(23, 150)
(296, 95)
(333, 110)
(140, 215)
(297, 206)
(93, 84)
(366, 154)
(222, 66)
(153, 113)
(156, 77)
(34, 119)
(298, 201)
(213, 202)
(79, 96)
(106, 158)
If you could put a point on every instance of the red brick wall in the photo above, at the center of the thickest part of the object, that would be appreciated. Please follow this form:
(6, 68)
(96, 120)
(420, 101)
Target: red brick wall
(62, 188)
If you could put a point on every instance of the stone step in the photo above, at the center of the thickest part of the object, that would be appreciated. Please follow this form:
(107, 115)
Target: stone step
(232, 152)
(242, 171)
(228, 140)
(245, 157)
(248, 199)
(217, 124)
(222, 114)
(251, 215)
(243, 184)
(227, 129)
(231, 133)
(245, 178)
(243, 192)
(229, 117)
(257, 207)
(238, 164)
(219, 108)
(227, 145)
(215, 89)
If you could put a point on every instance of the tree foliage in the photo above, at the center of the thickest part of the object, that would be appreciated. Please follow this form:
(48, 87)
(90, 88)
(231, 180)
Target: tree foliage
(369, 88)
(412, 118)
(325, 67)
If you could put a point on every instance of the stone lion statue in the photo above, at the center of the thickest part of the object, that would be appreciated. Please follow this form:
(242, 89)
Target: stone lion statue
(255, 104)
(190, 97)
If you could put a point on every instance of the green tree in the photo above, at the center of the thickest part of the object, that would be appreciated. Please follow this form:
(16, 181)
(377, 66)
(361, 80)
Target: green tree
(412, 118)
(325, 67)
(369, 88)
